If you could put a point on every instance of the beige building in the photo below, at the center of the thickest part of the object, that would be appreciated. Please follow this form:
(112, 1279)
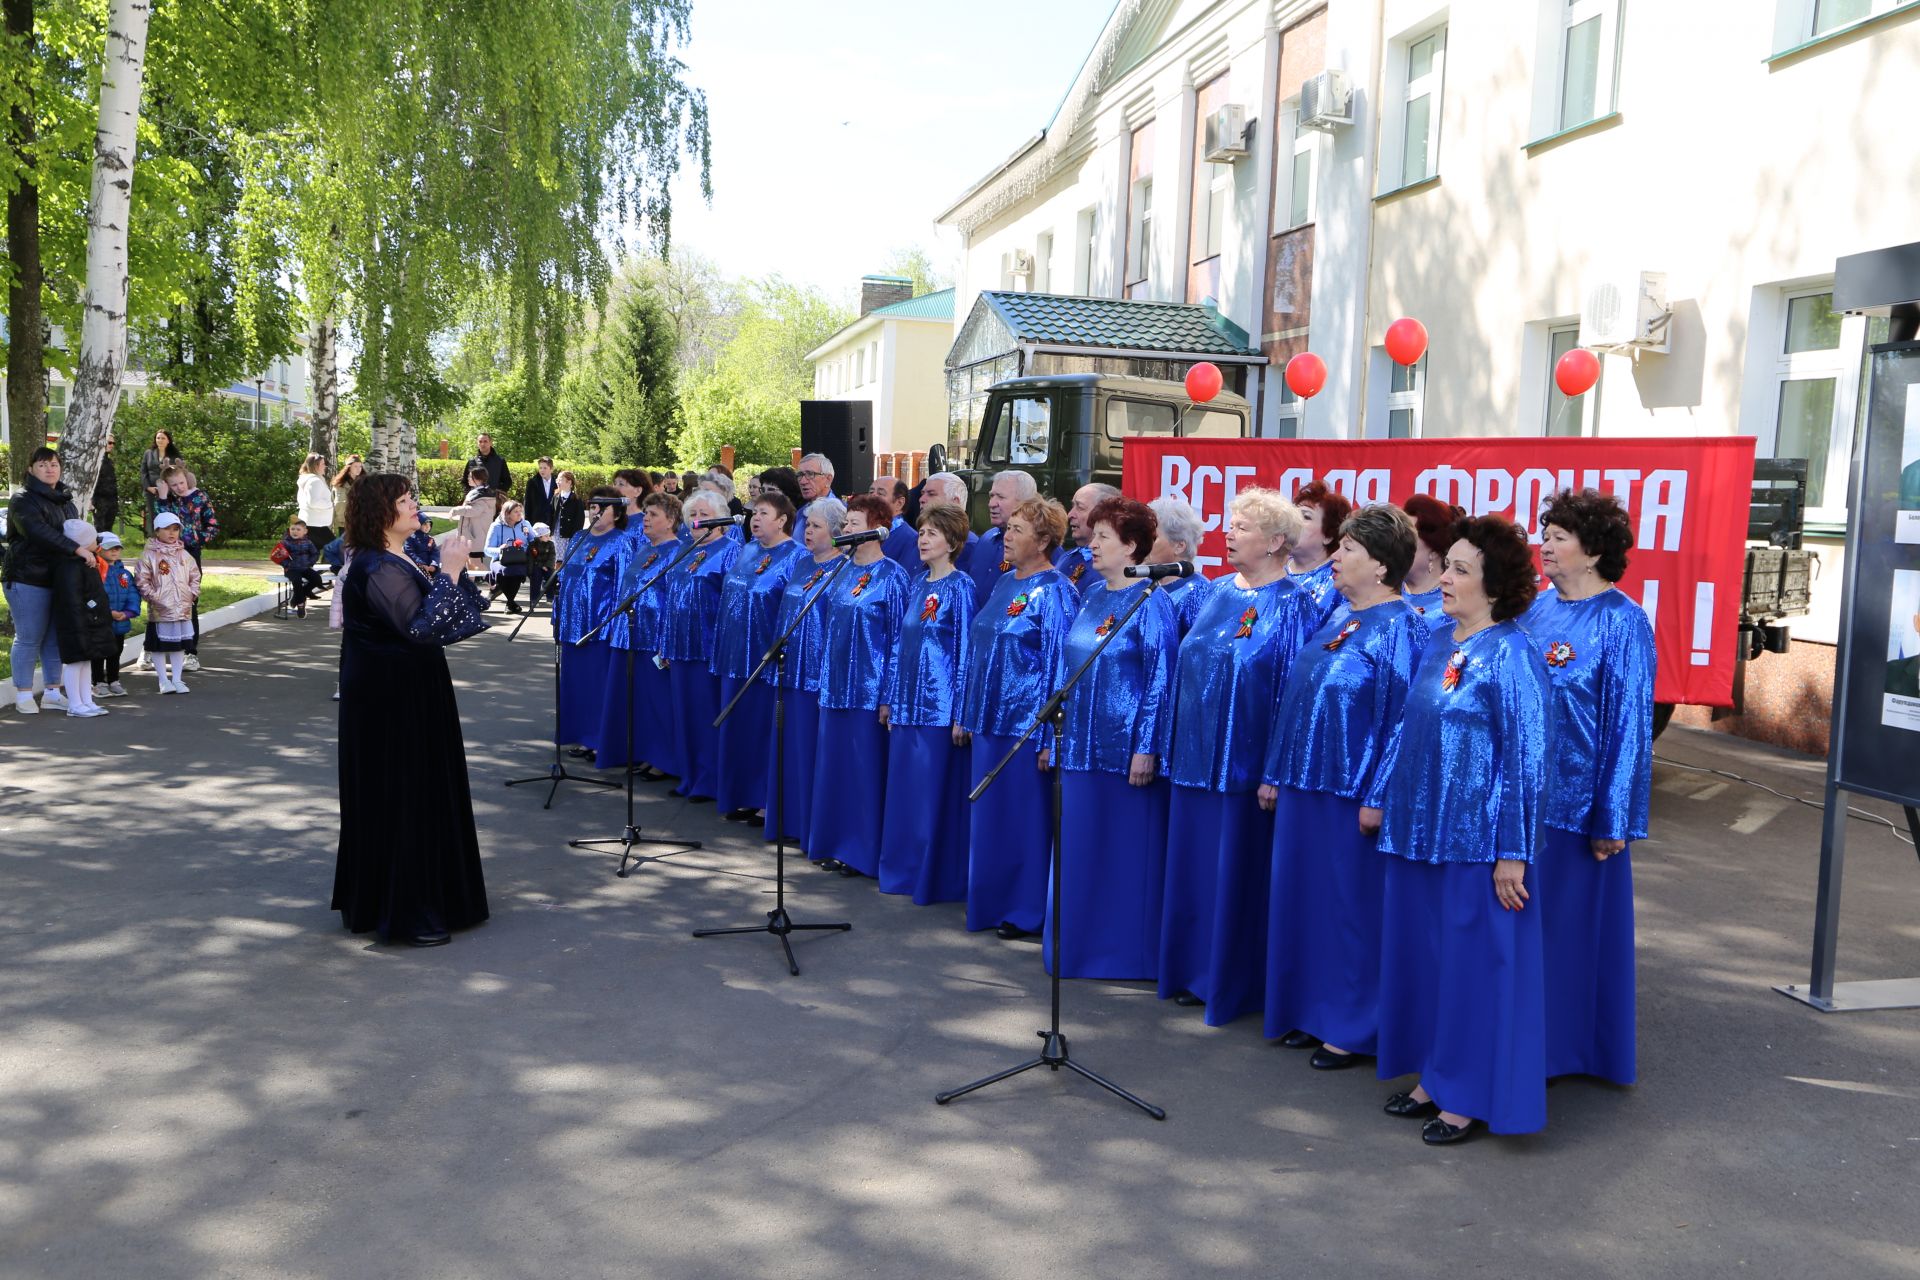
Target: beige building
(894, 356)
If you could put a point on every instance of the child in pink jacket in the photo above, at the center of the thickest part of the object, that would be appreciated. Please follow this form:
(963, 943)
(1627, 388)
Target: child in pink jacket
(169, 581)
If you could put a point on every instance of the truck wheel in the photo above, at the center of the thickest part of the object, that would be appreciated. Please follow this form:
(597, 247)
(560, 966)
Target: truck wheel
(1662, 712)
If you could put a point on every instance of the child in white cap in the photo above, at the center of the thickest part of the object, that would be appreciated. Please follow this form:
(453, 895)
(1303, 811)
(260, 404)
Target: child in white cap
(540, 554)
(169, 581)
(123, 601)
(81, 620)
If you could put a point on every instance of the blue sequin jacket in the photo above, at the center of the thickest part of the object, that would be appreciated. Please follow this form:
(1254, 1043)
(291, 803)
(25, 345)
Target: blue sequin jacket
(693, 602)
(749, 605)
(1340, 711)
(860, 634)
(931, 661)
(1014, 650)
(801, 668)
(1231, 667)
(1123, 706)
(589, 586)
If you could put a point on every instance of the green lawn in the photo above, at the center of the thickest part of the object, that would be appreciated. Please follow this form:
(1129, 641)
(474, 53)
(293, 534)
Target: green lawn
(216, 589)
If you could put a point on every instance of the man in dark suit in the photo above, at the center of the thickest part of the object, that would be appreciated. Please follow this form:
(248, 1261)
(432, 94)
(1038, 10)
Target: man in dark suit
(498, 477)
(539, 496)
(1903, 674)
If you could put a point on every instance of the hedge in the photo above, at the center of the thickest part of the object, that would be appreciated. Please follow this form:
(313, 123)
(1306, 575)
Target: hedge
(443, 480)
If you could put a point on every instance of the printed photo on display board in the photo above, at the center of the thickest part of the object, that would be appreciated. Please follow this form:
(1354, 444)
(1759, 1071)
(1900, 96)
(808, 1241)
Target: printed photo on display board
(1906, 527)
(1900, 708)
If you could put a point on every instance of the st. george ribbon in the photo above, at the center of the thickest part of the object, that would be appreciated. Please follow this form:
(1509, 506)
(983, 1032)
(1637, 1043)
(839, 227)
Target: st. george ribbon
(1155, 572)
(719, 521)
(854, 539)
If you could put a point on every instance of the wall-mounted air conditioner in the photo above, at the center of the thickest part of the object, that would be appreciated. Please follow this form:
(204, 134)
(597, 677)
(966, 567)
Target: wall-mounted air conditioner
(1226, 134)
(1627, 311)
(1326, 101)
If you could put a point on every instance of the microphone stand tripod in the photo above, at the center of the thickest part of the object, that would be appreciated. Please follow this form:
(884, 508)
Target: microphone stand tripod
(1053, 1052)
(779, 923)
(630, 834)
(557, 771)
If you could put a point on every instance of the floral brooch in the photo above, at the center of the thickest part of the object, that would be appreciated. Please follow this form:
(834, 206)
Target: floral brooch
(1247, 619)
(1353, 625)
(164, 567)
(931, 609)
(1560, 653)
(861, 585)
(1019, 605)
(1005, 564)
(694, 564)
(1101, 630)
(762, 566)
(1450, 678)
(815, 578)
(592, 552)
(1079, 568)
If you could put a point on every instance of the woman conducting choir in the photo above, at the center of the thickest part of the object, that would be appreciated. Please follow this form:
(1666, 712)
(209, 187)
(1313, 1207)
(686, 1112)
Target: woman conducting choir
(588, 589)
(1461, 991)
(1213, 923)
(790, 796)
(1322, 512)
(1599, 649)
(923, 837)
(1178, 541)
(749, 603)
(409, 859)
(1014, 652)
(857, 642)
(1433, 522)
(1113, 850)
(1336, 720)
(693, 613)
(651, 546)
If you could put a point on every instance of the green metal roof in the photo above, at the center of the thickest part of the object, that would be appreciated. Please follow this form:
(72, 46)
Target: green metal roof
(928, 306)
(1047, 319)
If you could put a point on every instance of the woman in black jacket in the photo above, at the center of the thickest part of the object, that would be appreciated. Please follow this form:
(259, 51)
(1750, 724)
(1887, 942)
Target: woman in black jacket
(35, 544)
(156, 459)
(82, 621)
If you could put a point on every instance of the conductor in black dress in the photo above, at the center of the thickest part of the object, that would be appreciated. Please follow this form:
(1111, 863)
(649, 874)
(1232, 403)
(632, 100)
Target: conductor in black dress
(409, 861)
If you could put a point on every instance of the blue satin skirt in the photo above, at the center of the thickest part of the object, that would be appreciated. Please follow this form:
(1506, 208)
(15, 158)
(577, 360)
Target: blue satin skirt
(649, 710)
(1009, 836)
(746, 741)
(583, 684)
(1113, 875)
(848, 806)
(696, 701)
(653, 715)
(1213, 920)
(799, 740)
(1323, 922)
(923, 838)
(1462, 998)
(1586, 922)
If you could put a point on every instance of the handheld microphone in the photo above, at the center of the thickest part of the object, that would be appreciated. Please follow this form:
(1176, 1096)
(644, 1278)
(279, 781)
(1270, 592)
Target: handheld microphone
(1154, 572)
(854, 539)
(719, 521)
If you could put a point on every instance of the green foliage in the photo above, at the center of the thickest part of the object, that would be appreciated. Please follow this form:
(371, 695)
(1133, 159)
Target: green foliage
(619, 403)
(250, 473)
(519, 420)
(917, 265)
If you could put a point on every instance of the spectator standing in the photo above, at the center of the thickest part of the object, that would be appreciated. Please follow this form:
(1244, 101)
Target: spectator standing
(540, 493)
(81, 620)
(123, 603)
(475, 514)
(345, 478)
(169, 581)
(160, 455)
(199, 525)
(569, 515)
(36, 544)
(314, 503)
(106, 492)
(498, 477)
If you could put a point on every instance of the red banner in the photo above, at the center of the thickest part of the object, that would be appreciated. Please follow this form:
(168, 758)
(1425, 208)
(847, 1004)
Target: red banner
(1688, 499)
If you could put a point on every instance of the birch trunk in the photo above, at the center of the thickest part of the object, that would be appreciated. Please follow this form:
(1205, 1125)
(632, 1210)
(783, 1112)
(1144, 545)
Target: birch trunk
(323, 367)
(103, 321)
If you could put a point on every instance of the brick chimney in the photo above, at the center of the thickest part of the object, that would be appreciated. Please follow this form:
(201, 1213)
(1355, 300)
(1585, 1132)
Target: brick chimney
(883, 291)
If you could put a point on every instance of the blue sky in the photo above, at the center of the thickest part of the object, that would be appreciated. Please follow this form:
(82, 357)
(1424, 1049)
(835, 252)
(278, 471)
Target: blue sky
(840, 131)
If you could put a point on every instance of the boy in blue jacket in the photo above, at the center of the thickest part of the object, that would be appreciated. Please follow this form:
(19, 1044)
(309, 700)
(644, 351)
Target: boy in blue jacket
(297, 564)
(123, 600)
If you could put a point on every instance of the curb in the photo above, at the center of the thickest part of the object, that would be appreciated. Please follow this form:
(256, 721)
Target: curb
(225, 615)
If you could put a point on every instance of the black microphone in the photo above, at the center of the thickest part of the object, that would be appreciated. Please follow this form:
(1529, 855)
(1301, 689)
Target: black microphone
(854, 539)
(1172, 569)
(718, 521)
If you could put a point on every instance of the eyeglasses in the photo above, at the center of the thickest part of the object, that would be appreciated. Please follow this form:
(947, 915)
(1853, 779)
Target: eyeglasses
(813, 475)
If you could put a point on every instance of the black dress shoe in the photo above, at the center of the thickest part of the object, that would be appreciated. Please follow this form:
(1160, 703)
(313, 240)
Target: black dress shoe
(439, 939)
(1187, 1000)
(1297, 1039)
(737, 815)
(579, 753)
(1403, 1105)
(1438, 1133)
(647, 773)
(829, 864)
(700, 799)
(1325, 1059)
(1012, 932)
(845, 870)
(758, 819)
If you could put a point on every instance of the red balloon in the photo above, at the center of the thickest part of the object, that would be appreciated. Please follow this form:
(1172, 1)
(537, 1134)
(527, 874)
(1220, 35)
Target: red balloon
(1306, 374)
(1406, 340)
(1204, 381)
(1576, 372)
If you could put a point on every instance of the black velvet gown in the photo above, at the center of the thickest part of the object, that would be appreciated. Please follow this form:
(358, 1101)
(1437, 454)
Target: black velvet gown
(409, 861)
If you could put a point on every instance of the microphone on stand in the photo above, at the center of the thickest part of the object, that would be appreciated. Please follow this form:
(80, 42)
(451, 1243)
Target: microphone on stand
(854, 539)
(719, 521)
(1154, 572)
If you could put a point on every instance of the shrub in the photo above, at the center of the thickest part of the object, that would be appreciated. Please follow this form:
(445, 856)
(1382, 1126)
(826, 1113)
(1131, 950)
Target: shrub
(251, 473)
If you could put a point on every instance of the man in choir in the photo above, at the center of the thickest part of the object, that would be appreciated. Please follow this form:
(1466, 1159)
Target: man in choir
(989, 557)
(903, 540)
(816, 482)
(1074, 561)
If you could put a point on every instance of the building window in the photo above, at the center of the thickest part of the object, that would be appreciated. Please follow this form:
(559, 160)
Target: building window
(1286, 420)
(1087, 236)
(1406, 398)
(1819, 377)
(56, 408)
(1804, 20)
(1420, 122)
(1212, 189)
(1566, 415)
(1139, 211)
(1293, 205)
(1043, 262)
(1581, 44)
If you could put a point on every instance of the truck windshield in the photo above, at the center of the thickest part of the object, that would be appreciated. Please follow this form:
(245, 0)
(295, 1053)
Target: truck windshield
(1157, 418)
(1020, 431)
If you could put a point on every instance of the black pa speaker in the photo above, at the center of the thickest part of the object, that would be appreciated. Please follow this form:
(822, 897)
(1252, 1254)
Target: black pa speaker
(842, 430)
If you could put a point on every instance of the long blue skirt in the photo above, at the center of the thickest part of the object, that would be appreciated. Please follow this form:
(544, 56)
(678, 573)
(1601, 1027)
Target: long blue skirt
(653, 719)
(1113, 875)
(650, 711)
(848, 794)
(746, 740)
(583, 683)
(696, 701)
(1323, 922)
(1213, 921)
(791, 805)
(1587, 926)
(923, 838)
(1009, 836)
(1462, 998)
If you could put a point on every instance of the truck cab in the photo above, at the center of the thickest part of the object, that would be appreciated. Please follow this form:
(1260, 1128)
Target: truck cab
(1067, 430)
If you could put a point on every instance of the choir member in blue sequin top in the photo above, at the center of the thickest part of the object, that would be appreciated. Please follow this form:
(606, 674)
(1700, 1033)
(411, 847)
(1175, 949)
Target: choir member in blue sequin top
(1179, 540)
(692, 618)
(1433, 522)
(1119, 721)
(1599, 650)
(749, 606)
(859, 636)
(799, 672)
(1213, 924)
(923, 837)
(589, 587)
(1015, 650)
(651, 546)
(1335, 724)
(989, 557)
(1462, 996)
(1322, 512)
(1077, 562)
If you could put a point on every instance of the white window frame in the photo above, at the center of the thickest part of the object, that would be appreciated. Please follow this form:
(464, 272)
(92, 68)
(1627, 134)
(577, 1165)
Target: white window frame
(1398, 91)
(1430, 85)
(1043, 262)
(1087, 235)
(1290, 413)
(1558, 18)
(1140, 235)
(1794, 21)
(1305, 147)
(1590, 409)
(1413, 400)
(1842, 364)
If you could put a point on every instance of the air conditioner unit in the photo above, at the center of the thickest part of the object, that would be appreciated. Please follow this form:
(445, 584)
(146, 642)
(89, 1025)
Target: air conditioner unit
(1227, 134)
(1326, 101)
(1627, 312)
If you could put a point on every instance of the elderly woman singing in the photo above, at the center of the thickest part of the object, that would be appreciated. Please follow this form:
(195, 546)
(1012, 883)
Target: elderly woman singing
(749, 605)
(693, 615)
(790, 798)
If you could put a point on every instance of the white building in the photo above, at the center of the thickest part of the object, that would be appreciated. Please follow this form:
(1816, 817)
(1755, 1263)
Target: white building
(893, 356)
